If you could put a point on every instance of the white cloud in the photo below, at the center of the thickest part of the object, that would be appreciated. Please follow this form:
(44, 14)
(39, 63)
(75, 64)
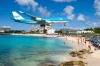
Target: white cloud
(28, 3)
(36, 7)
(44, 12)
(97, 7)
(68, 10)
(93, 24)
(96, 24)
(64, 0)
(71, 16)
(81, 17)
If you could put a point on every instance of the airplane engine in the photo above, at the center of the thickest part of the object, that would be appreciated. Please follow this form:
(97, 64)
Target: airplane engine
(39, 19)
(50, 24)
(65, 24)
(42, 25)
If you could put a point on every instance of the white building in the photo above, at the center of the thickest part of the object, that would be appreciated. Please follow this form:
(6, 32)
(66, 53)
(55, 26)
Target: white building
(83, 31)
(69, 30)
(1, 31)
(51, 31)
(4, 28)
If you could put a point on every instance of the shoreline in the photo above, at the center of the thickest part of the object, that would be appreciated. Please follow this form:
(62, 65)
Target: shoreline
(77, 43)
(91, 59)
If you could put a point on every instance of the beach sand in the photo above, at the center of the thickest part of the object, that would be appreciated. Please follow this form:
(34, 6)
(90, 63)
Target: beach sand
(79, 43)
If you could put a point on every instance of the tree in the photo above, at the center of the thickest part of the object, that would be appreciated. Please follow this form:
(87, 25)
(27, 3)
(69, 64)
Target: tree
(59, 32)
(96, 30)
(89, 29)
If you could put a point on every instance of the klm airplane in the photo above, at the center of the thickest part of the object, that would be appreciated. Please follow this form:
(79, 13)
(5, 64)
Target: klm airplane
(37, 20)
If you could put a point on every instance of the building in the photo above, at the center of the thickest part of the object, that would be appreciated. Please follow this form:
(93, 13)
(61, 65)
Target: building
(69, 30)
(36, 28)
(41, 29)
(47, 27)
(84, 31)
(1, 31)
(51, 31)
(4, 28)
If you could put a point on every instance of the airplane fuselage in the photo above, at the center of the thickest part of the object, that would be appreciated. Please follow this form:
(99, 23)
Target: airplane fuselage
(36, 20)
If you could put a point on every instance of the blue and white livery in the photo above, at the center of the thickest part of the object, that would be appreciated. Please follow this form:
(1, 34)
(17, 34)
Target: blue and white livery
(36, 20)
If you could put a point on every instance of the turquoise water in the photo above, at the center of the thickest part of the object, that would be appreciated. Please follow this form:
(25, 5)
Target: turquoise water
(30, 51)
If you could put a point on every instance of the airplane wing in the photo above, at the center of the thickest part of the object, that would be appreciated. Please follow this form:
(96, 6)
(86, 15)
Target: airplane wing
(32, 17)
(54, 20)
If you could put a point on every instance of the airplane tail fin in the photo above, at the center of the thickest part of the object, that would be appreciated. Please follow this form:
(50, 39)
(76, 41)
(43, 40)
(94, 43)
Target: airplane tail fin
(17, 16)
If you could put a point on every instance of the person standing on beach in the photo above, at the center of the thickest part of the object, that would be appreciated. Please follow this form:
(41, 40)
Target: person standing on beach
(66, 37)
(89, 47)
(78, 41)
(85, 42)
(81, 40)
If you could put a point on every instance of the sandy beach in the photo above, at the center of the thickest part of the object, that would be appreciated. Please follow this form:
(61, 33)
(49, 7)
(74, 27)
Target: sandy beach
(78, 43)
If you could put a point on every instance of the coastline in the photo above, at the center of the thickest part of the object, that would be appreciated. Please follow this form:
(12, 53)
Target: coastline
(91, 59)
(41, 35)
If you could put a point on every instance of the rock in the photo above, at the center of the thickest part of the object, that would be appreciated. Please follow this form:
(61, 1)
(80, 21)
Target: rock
(73, 63)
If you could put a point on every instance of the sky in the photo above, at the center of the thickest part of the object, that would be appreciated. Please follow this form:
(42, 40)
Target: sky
(83, 13)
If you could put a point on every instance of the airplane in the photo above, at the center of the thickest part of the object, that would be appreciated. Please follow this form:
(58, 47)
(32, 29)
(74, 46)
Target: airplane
(36, 20)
